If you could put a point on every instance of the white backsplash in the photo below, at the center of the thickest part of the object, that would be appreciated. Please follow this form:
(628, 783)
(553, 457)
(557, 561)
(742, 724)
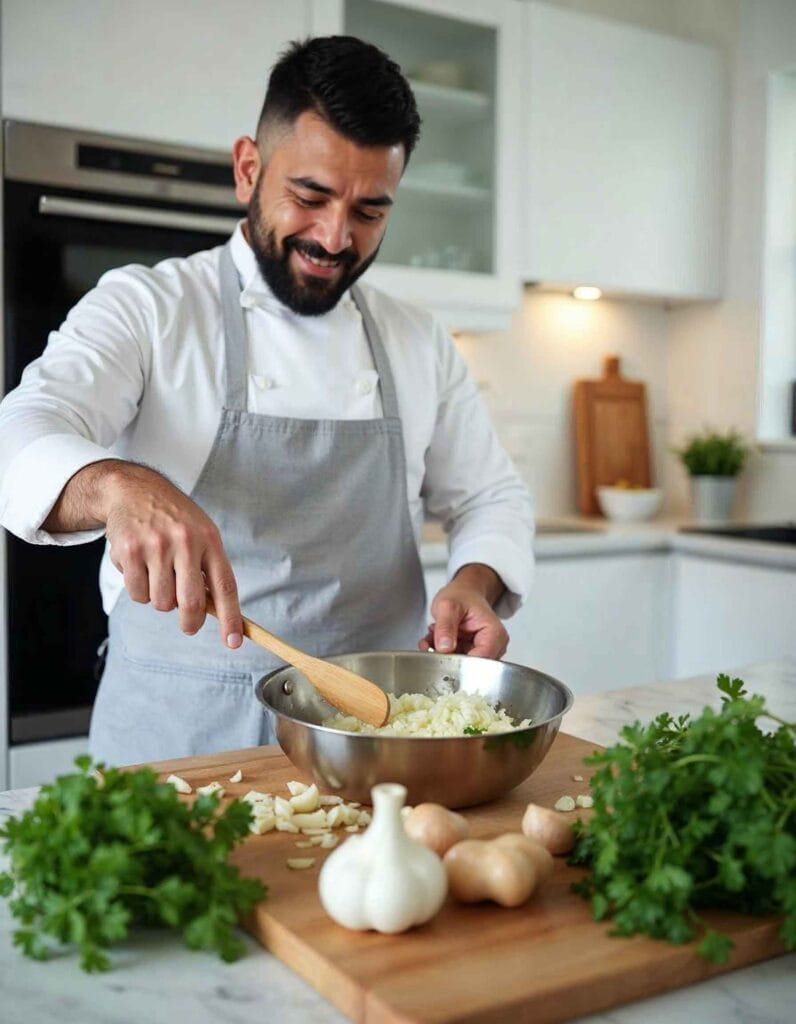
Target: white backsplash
(526, 376)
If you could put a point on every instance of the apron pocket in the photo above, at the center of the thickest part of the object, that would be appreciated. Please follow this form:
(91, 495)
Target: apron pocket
(149, 711)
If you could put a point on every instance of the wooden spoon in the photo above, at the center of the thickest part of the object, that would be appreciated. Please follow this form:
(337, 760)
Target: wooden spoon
(345, 690)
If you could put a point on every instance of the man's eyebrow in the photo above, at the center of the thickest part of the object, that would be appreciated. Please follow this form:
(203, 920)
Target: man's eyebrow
(314, 186)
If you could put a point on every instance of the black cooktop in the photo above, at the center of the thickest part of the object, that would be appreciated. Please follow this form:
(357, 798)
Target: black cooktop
(774, 533)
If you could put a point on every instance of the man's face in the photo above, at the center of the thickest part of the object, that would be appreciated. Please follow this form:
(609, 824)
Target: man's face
(318, 212)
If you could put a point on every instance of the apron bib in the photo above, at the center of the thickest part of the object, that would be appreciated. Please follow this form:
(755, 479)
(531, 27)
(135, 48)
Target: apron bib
(315, 521)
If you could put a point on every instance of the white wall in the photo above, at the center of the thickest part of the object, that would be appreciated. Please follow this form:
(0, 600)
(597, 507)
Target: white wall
(700, 363)
(526, 376)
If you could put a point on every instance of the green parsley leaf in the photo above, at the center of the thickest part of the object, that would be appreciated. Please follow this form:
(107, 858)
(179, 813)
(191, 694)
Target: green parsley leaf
(473, 730)
(104, 850)
(689, 814)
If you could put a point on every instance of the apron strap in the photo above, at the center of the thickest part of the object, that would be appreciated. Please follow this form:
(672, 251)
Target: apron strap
(234, 333)
(389, 398)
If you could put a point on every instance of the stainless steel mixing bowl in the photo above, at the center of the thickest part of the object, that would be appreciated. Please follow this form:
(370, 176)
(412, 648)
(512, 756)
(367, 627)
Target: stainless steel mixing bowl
(455, 771)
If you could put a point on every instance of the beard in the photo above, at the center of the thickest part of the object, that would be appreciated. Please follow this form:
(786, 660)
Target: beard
(303, 294)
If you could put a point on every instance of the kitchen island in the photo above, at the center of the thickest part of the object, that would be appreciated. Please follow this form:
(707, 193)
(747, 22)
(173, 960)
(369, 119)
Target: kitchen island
(154, 978)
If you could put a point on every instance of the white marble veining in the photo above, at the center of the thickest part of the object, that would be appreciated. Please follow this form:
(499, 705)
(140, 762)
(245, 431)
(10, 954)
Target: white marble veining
(155, 979)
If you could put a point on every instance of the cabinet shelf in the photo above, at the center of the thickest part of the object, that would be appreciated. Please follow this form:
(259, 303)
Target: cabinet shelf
(445, 101)
(460, 193)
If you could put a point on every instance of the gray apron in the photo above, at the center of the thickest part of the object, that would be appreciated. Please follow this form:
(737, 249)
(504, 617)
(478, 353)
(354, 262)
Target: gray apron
(315, 521)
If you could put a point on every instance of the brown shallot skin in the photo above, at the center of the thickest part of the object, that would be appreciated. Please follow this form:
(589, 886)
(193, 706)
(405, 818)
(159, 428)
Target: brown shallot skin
(506, 870)
(436, 827)
(548, 828)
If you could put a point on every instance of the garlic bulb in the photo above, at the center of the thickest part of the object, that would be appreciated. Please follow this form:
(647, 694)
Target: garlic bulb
(383, 879)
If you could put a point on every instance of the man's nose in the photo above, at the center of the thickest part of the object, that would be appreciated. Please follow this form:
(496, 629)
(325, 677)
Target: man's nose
(335, 231)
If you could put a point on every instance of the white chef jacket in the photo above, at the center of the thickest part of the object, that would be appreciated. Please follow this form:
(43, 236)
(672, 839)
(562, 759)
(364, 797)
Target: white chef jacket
(135, 372)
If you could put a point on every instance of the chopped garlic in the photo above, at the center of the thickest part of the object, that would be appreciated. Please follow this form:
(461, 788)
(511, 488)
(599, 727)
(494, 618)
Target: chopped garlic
(336, 816)
(254, 796)
(349, 815)
(179, 784)
(300, 863)
(352, 828)
(328, 801)
(565, 803)
(211, 787)
(328, 841)
(309, 831)
(296, 787)
(305, 844)
(307, 801)
(237, 777)
(283, 807)
(577, 778)
(285, 825)
(584, 801)
(262, 823)
(317, 840)
(363, 818)
(315, 820)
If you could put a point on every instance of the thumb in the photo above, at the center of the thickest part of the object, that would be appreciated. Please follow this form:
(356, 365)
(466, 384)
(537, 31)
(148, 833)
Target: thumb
(446, 627)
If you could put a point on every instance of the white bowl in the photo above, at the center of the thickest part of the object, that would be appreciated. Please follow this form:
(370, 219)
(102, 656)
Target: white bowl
(629, 504)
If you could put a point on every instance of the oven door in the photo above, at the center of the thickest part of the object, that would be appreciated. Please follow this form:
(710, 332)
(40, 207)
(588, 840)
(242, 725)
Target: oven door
(57, 245)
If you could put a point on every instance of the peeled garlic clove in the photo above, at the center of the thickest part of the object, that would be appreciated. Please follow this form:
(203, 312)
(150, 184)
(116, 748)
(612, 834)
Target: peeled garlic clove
(179, 784)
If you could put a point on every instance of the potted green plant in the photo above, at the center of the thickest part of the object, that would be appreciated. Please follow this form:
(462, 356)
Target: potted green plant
(713, 461)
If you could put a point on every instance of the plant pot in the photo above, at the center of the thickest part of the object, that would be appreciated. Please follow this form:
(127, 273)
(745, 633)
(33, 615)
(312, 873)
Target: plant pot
(713, 498)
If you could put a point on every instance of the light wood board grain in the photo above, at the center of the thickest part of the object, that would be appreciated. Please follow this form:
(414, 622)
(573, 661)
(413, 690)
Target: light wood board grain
(545, 962)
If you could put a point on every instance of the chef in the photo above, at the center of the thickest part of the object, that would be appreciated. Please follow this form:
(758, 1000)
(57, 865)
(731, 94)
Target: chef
(254, 422)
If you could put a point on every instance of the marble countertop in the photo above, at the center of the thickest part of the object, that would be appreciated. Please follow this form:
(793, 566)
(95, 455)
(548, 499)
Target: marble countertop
(572, 537)
(155, 979)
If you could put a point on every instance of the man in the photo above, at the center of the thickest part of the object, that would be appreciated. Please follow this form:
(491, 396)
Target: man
(248, 422)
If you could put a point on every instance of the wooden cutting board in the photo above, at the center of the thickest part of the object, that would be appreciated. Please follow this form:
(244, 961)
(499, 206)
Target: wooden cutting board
(611, 435)
(480, 964)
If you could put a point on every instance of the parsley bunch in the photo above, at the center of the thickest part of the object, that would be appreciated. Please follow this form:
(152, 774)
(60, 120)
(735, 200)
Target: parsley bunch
(691, 814)
(103, 850)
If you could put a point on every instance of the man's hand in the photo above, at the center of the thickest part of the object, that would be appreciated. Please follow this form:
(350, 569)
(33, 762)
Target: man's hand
(464, 620)
(168, 550)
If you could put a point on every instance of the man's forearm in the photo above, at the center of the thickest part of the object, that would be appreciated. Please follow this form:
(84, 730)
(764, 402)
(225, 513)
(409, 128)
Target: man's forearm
(84, 501)
(483, 579)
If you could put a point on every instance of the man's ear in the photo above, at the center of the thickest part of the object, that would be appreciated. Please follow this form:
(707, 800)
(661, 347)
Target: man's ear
(246, 164)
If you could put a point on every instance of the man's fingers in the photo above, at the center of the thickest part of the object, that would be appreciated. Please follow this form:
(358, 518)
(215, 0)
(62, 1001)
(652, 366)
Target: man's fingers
(190, 596)
(224, 591)
(446, 629)
(490, 642)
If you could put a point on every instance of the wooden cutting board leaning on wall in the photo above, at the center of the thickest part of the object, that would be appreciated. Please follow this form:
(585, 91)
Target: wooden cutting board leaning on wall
(611, 435)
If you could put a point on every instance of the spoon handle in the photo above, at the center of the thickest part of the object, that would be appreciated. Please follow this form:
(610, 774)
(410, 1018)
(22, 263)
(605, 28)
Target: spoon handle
(343, 689)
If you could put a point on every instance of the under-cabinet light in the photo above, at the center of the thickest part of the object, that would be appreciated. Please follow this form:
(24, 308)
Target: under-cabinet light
(588, 292)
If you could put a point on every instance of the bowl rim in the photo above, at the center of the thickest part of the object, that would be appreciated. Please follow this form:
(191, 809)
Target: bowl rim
(569, 700)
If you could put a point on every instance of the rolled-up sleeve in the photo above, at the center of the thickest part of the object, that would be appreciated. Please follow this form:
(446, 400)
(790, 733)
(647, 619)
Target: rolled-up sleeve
(472, 486)
(71, 406)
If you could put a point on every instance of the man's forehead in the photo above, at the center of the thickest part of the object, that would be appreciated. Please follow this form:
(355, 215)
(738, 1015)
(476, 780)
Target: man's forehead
(313, 148)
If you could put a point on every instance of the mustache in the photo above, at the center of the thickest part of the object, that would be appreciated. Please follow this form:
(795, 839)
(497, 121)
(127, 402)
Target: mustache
(312, 249)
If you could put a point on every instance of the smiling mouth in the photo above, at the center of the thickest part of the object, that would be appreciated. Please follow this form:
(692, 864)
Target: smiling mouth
(319, 266)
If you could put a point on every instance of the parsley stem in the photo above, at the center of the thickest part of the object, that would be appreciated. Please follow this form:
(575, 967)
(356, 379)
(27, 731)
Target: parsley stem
(694, 758)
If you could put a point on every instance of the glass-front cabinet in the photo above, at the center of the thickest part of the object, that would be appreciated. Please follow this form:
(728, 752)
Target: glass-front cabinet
(453, 237)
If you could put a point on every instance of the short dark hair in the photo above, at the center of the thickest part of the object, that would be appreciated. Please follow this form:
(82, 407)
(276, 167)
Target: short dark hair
(354, 86)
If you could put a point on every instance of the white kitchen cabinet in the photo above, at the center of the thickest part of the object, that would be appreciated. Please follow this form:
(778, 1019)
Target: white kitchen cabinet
(186, 71)
(625, 156)
(452, 243)
(728, 614)
(596, 623)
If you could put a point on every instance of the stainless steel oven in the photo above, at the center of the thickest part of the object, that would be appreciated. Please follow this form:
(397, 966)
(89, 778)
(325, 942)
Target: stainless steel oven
(76, 204)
